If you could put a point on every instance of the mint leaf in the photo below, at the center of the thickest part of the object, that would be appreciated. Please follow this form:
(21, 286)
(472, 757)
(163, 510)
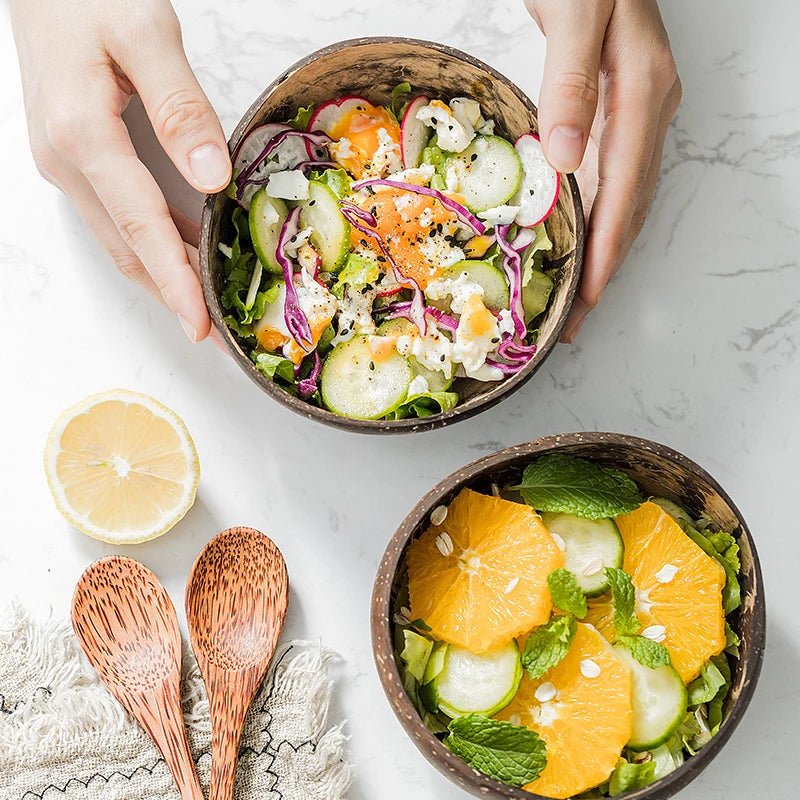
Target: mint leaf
(566, 594)
(627, 777)
(507, 753)
(646, 651)
(571, 485)
(547, 645)
(624, 597)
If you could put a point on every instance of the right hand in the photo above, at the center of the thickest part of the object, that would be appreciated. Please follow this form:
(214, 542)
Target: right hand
(81, 62)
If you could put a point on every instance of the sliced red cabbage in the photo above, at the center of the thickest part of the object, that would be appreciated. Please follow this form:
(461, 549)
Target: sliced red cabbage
(296, 321)
(307, 386)
(512, 266)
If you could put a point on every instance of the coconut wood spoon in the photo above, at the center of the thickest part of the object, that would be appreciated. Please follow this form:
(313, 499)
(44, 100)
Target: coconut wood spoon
(236, 600)
(127, 626)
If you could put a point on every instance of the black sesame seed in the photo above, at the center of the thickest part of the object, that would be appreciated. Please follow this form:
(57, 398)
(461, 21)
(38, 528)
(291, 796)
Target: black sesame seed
(531, 192)
(442, 357)
(449, 127)
(495, 339)
(372, 365)
(312, 202)
(382, 259)
(439, 227)
(373, 210)
(432, 233)
(473, 157)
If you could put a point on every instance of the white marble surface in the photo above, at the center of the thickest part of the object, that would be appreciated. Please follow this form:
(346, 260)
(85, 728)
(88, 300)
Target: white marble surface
(695, 345)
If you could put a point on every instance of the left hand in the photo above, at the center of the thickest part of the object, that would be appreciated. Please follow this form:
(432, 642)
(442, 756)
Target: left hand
(609, 91)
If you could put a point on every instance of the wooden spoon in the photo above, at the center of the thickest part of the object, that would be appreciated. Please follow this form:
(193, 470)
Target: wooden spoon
(127, 626)
(236, 600)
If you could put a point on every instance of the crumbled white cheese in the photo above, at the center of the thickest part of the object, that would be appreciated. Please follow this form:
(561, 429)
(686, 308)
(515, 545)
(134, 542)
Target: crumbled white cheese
(506, 323)
(459, 289)
(387, 159)
(452, 134)
(297, 241)
(439, 252)
(499, 215)
(289, 184)
(418, 386)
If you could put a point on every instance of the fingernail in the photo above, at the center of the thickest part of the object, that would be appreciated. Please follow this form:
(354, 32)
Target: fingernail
(188, 328)
(565, 148)
(210, 166)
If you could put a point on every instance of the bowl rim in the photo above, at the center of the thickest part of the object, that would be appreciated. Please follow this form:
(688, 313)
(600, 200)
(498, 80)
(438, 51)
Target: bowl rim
(381, 610)
(474, 405)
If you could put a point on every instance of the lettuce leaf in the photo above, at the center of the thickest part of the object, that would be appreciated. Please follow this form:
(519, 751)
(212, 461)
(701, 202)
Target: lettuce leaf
(397, 93)
(627, 777)
(301, 119)
(274, 366)
(337, 180)
(416, 652)
(425, 405)
(706, 686)
(357, 271)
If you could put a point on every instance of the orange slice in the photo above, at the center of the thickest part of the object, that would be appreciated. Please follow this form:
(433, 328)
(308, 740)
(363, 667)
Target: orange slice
(678, 587)
(121, 467)
(582, 710)
(479, 579)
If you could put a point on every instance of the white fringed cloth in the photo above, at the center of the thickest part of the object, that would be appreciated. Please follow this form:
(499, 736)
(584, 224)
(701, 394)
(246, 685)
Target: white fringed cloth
(63, 736)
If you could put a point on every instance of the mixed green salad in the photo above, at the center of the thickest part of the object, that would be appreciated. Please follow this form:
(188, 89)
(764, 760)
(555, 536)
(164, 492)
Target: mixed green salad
(380, 252)
(567, 635)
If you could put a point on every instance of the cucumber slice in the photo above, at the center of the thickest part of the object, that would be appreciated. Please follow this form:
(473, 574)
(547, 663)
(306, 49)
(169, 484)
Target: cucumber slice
(493, 281)
(331, 236)
(354, 384)
(659, 701)
(435, 377)
(266, 218)
(477, 684)
(489, 172)
(592, 545)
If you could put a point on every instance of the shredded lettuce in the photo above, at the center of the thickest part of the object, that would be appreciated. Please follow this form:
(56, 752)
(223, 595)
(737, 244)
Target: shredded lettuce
(627, 777)
(416, 652)
(301, 119)
(397, 93)
(274, 366)
(358, 271)
(337, 180)
(425, 405)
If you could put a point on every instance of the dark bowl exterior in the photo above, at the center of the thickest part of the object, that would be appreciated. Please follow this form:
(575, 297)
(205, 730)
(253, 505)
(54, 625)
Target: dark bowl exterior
(660, 471)
(371, 67)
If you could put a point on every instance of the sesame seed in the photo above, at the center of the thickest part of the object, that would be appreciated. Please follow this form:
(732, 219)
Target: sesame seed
(444, 544)
(473, 157)
(382, 259)
(432, 233)
(439, 515)
(311, 203)
(372, 365)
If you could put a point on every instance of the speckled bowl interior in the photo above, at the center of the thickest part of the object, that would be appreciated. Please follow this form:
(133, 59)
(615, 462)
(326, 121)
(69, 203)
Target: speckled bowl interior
(659, 471)
(372, 67)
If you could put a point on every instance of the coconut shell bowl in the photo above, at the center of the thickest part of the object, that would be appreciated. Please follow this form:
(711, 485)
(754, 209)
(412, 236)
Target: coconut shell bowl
(659, 471)
(372, 67)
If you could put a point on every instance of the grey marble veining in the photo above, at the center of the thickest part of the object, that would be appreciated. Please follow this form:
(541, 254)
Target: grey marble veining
(695, 345)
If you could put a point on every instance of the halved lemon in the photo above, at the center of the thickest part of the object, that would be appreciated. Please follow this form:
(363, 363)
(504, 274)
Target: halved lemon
(121, 467)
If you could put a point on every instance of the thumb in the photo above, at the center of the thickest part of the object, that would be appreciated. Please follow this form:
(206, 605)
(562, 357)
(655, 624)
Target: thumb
(575, 30)
(182, 117)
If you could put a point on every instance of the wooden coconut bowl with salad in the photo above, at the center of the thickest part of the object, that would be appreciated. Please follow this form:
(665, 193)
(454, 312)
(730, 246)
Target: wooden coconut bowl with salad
(580, 616)
(394, 253)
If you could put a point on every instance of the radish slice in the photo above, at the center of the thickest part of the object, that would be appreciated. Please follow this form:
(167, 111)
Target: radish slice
(538, 192)
(290, 153)
(328, 115)
(414, 133)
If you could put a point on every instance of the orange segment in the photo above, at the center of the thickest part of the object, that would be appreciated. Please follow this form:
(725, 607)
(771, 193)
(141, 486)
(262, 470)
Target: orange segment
(405, 221)
(480, 578)
(586, 722)
(677, 586)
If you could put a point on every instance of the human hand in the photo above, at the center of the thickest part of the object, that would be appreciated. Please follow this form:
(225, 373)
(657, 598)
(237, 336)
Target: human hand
(81, 62)
(609, 91)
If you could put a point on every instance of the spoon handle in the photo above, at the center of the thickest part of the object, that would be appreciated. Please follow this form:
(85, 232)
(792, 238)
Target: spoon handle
(159, 713)
(230, 697)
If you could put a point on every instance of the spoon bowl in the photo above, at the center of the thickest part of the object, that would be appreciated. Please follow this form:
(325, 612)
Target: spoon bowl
(127, 626)
(236, 601)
